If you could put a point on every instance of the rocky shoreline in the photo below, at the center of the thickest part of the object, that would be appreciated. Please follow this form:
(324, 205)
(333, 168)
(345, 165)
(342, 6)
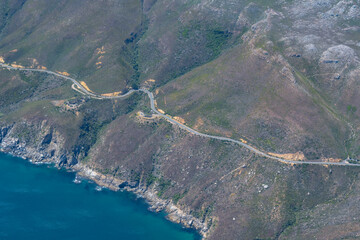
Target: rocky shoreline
(175, 214)
(41, 155)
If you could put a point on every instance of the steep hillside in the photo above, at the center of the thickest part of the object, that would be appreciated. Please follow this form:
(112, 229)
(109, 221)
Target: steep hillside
(283, 88)
(281, 76)
(89, 40)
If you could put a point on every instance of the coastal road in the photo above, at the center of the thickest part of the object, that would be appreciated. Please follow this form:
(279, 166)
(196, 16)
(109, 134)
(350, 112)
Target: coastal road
(173, 121)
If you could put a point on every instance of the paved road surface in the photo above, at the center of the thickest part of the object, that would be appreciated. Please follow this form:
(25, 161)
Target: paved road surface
(171, 120)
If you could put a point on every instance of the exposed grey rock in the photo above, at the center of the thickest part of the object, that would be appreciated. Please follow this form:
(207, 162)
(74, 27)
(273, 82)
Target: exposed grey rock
(310, 51)
(47, 149)
(47, 139)
(337, 57)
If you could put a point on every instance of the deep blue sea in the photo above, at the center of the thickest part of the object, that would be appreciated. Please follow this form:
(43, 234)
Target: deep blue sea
(41, 202)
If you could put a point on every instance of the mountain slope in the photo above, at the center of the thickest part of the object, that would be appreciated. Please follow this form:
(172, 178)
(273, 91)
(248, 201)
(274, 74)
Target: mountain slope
(279, 75)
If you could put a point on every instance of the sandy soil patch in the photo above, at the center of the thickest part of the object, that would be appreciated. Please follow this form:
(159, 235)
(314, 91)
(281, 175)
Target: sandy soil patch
(113, 94)
(63, 73)
(85, 86)
(298, 156)
(179, 119)
(17, 65)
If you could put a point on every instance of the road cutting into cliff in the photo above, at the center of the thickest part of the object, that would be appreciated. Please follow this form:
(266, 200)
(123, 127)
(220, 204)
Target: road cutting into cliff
(77, 86)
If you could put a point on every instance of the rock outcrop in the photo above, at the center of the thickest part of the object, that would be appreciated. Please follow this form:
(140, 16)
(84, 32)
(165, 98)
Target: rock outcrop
(46, 146)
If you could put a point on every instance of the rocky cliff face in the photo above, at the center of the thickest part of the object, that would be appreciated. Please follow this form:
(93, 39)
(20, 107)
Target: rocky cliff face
(41, 143)
(204, 184)
(280, 75)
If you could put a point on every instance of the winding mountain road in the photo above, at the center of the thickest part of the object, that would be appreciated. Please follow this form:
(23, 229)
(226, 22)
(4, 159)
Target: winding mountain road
(171, 120)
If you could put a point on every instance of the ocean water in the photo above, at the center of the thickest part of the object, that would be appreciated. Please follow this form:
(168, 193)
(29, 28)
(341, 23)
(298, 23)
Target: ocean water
(41, 202)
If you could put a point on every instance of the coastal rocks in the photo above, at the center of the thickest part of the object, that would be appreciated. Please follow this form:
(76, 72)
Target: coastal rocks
(176, 214)
(41, 143)
(157, 204)
(67, 160)
(101, 179)
(38, 142)
(13, 146)
(3, 132)
(127, 184)
(63, 160)
(10, 143)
